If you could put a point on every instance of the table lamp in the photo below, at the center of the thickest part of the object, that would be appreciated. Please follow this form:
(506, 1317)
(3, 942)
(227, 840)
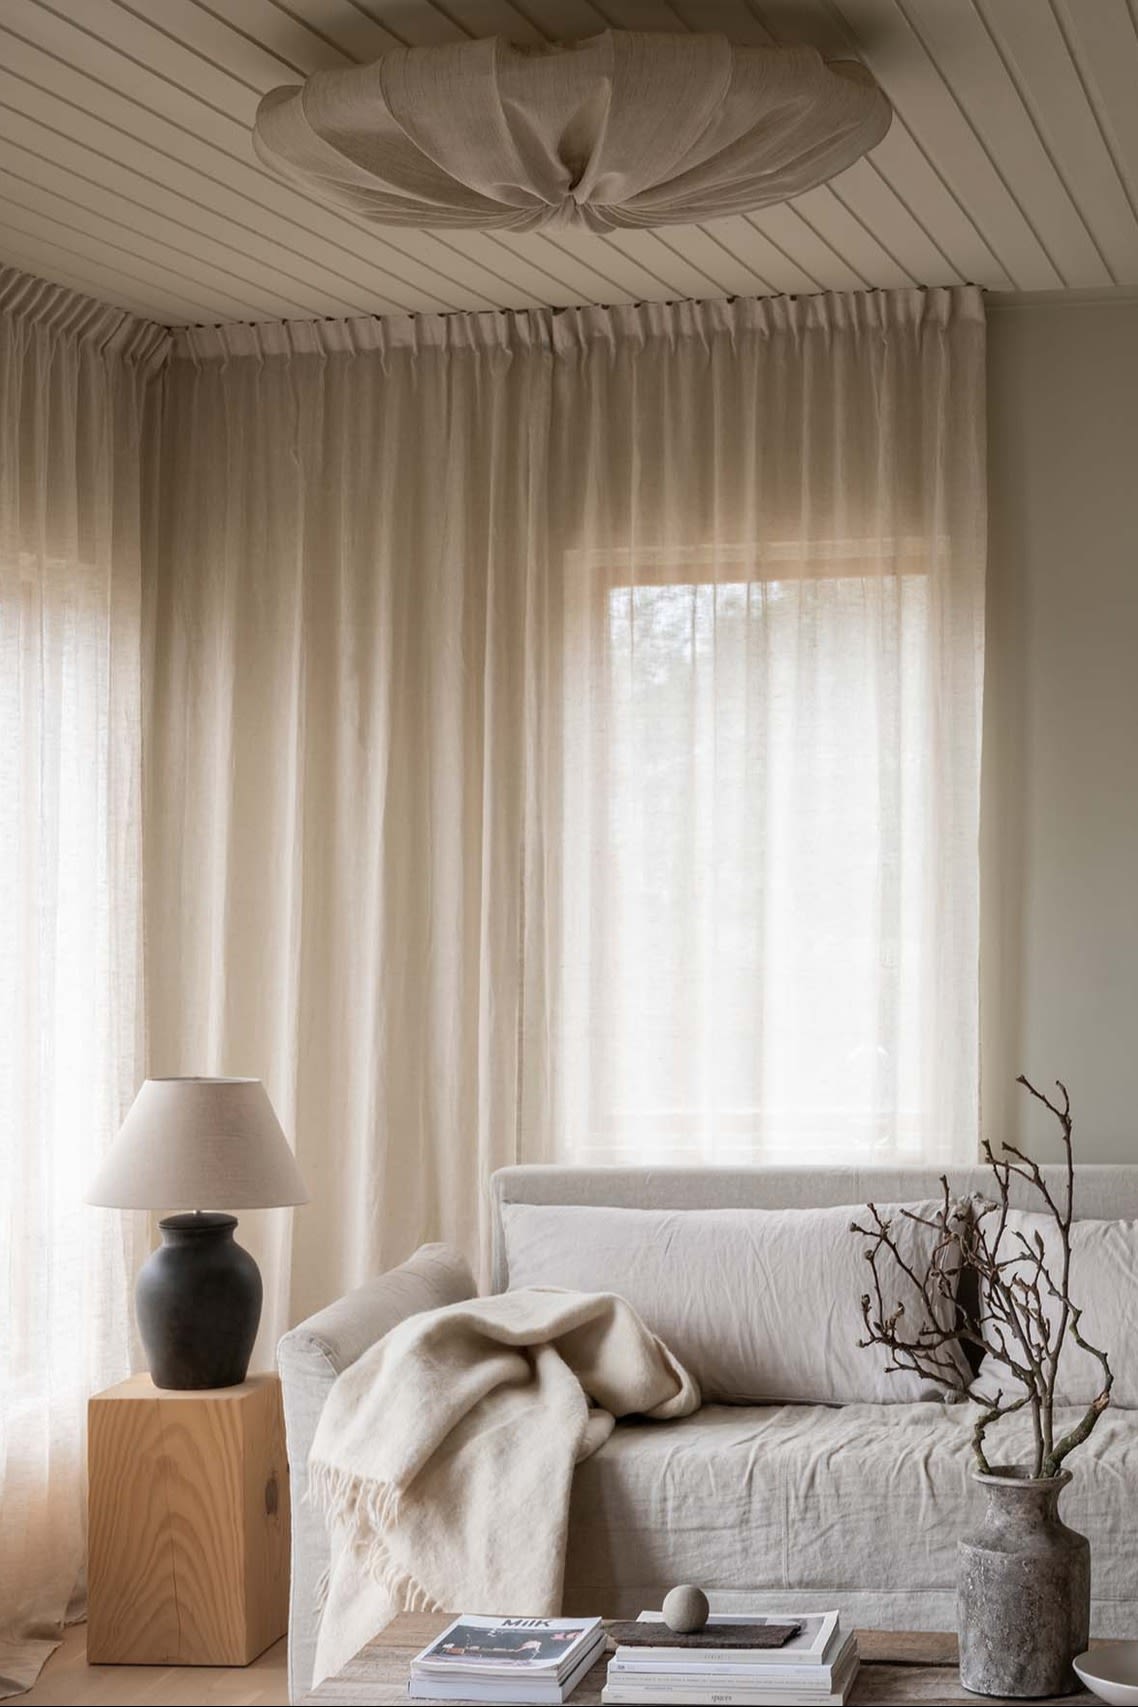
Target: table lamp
(199, 1142)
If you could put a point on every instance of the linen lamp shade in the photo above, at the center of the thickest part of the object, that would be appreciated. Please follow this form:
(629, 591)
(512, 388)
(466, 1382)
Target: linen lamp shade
(199, 1144)
(207, 1145)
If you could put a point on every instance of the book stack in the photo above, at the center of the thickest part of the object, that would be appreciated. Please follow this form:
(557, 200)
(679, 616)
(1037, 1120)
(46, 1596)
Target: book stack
(507, 1660)
(816, 1665)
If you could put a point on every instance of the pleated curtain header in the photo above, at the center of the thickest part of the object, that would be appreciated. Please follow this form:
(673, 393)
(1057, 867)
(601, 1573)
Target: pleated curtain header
(564, 330)
(29, 303)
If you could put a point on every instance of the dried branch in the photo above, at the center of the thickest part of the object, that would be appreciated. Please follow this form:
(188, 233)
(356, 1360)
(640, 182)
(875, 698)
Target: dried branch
(1009, 1321)
(1075, 1436)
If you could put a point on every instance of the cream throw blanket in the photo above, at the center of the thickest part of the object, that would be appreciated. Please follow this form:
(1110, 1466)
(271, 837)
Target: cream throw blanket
(444, 1457)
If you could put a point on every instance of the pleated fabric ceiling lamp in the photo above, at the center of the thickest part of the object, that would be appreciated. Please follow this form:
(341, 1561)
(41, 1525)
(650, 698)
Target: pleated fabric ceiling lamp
(623, 130)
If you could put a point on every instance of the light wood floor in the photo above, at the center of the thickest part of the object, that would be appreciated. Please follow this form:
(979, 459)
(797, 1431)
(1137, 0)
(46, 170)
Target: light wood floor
(68, 1681)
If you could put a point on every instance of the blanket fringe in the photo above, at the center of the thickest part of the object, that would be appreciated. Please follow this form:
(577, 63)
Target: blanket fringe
(351, 1500)
(407, 1594)
(366, 1509)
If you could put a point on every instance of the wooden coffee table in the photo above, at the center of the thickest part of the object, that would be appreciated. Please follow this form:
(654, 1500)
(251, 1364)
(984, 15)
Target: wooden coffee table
(895, 1667)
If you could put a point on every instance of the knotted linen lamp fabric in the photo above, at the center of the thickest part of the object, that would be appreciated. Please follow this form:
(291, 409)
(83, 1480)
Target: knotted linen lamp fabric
(192, 1143)
(626, 129)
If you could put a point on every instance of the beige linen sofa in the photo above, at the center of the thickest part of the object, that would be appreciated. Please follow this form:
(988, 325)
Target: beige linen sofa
(801, 1505)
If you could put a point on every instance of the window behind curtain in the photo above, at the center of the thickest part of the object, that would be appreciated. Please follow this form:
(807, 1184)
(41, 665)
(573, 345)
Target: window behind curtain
(748, 924)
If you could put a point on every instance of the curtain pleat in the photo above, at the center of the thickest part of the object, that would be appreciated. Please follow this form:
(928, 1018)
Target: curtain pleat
(563, 743)
(75, 377)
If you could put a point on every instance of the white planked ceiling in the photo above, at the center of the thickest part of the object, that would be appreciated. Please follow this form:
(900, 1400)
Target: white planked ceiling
(126, 169)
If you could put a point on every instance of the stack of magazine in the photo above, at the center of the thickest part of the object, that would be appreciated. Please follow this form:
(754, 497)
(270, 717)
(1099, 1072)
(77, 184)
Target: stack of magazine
(817, 1665)
(507, 1660)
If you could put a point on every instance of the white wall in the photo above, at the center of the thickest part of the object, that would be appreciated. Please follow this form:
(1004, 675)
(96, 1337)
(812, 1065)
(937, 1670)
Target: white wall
(1059, 844)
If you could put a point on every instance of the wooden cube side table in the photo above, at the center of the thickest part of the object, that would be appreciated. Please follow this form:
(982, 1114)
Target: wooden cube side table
(188, 1524)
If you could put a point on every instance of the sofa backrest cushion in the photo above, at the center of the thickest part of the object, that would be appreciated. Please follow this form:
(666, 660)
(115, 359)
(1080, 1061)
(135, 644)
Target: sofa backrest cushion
(1103, 1285)
(762, 1306)
(1106, 1190)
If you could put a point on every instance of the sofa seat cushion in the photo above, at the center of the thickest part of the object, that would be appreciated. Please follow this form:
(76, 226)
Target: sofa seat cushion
(859, 1506)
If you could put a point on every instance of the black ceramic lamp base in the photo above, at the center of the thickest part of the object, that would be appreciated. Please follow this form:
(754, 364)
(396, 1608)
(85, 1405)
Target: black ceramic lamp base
(198, 1301)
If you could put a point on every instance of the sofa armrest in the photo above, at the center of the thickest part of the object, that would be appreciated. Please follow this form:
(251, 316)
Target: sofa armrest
(309, 1358)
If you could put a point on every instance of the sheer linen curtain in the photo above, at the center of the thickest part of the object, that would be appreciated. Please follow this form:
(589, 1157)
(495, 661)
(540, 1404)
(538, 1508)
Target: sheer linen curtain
(563, 743)
(352, 530)
(73, 382)
(758, 933)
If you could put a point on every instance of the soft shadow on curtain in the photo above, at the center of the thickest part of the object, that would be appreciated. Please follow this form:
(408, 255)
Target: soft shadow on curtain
(73, 378)
(563, 742)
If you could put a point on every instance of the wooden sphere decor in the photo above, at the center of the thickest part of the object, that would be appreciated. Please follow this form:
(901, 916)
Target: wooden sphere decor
(685, 1609)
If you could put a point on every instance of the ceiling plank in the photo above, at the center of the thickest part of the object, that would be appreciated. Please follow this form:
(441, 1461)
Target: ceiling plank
(651, 250)
(29, 175)
(170, 275)
(743, 255)
(102, 64)
(69, 215)
(519, 272)
(850, 239)
(300, 37)
(561, 261)
(56, 271)
(869, 198)
(932, 213)
(632, 277)
(902, 165)
(700, 249)
(567, 20)
(183, 223)
(902, 64)
(342, 23)
(415, 23)
(477, 18)
(730, 18)
(231, 88)
(58, 168)
(72, 137)
(1103, 40)
(785, 226)
(968, 59)
(766, 260)
(251, 39)
(641, 15)
(1047, 76)
(95, 278)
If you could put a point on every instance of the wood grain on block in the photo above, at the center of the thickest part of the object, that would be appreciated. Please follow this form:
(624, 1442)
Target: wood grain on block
(188, 1524)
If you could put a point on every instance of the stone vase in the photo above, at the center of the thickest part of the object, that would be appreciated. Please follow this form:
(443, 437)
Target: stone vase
(1024, 1595)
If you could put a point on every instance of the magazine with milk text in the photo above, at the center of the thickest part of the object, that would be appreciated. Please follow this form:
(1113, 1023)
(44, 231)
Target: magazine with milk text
(538, 1660)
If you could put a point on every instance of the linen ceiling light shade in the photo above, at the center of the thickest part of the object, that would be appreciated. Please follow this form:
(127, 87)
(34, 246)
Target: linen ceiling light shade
(621, 130)
(199, 1144)
(192, 1142)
